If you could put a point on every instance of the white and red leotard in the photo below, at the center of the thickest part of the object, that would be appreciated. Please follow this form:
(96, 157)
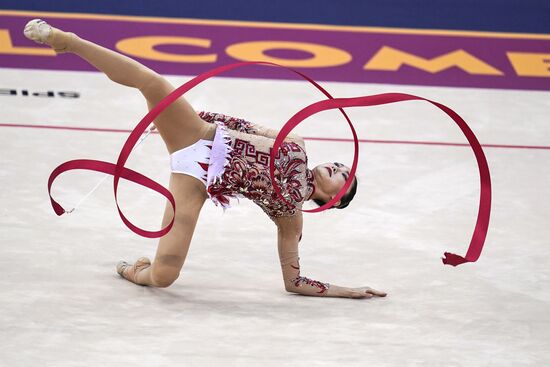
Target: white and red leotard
(236, 164)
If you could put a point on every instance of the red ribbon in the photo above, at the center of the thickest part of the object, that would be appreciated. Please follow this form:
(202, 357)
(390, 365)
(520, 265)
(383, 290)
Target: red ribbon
(482, 224)
(118, 170)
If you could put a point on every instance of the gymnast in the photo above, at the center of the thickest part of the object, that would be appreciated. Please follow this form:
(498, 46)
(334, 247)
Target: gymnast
(218, 157)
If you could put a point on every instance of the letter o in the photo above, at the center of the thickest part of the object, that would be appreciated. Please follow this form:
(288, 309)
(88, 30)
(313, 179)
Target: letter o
(144, 47)
(322, 56)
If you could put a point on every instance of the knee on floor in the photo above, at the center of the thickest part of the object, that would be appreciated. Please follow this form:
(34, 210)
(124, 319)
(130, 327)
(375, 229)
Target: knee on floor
(164, 276)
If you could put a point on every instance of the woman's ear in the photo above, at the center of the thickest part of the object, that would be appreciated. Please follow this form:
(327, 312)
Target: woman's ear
(336, 203)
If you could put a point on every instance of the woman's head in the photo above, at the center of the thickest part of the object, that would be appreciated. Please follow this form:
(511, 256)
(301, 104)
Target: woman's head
(329, 180)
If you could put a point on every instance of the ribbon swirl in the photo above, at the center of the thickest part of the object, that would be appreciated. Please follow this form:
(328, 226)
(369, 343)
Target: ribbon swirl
(119, 171)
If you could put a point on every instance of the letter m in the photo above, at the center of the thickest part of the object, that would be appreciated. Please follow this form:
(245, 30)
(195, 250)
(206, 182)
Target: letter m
(391, 59)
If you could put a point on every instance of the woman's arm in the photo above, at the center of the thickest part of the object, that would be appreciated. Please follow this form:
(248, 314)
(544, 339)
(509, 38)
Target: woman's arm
(247, 127)
(289, 234)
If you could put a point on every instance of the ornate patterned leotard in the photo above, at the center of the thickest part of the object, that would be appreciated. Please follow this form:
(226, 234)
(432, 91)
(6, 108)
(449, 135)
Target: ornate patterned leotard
(247, 170)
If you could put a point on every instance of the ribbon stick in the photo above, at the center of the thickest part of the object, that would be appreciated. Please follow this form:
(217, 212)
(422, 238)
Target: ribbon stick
(105, 176)
(118, 170)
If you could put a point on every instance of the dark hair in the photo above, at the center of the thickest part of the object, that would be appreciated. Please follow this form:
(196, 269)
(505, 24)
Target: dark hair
(345, 200)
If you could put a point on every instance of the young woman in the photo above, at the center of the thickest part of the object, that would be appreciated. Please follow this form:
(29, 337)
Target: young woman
(216, 156)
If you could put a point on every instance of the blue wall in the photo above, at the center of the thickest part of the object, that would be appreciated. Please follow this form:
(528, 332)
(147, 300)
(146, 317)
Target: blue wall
(528, 16)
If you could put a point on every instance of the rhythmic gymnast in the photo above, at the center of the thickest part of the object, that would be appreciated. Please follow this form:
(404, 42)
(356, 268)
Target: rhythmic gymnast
(218, 157)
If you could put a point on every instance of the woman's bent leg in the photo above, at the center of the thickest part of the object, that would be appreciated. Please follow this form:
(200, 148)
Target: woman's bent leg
(173, 247)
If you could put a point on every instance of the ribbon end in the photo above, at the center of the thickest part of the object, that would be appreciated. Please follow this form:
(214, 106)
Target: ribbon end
(453, 259)
(58, 209)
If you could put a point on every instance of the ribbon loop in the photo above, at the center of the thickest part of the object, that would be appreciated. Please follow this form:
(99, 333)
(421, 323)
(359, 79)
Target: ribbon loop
(482, 224)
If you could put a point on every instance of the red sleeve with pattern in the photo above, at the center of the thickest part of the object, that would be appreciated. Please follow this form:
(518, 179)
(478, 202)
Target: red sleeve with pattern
(232, 123)
(247, 127)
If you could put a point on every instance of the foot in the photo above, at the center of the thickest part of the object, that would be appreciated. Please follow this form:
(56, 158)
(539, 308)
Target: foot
(41, 32)
(128, 271)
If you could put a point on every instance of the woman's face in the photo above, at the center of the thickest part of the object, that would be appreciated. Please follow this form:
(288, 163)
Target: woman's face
(331, 177)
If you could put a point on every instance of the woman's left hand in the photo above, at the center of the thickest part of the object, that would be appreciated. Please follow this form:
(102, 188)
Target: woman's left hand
(361, 292)
(366, 292)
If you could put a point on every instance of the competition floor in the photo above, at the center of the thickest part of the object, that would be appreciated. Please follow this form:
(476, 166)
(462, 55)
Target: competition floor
(62, 303)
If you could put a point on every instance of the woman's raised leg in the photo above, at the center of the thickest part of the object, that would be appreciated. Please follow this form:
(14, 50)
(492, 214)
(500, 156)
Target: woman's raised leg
(178, 125)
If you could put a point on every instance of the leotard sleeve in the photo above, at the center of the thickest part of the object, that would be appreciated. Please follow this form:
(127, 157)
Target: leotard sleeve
(289, 235)
(247, 127)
